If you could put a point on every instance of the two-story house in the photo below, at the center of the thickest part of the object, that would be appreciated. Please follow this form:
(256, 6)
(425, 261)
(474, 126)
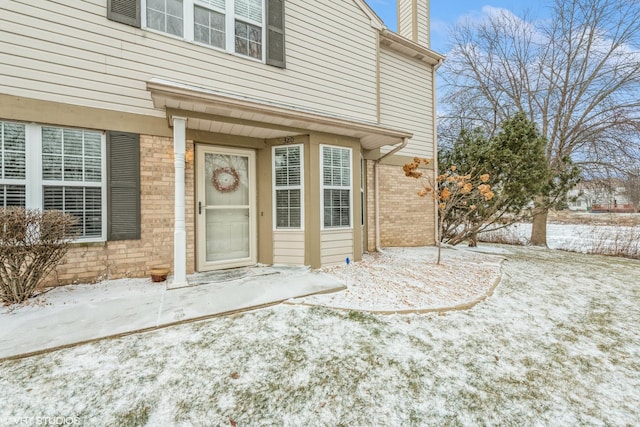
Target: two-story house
(209, 134)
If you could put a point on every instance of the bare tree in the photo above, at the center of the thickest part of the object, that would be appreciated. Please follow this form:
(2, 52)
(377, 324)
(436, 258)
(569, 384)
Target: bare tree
(576, 74)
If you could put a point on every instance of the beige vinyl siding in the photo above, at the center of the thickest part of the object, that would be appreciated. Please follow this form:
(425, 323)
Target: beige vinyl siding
(423, 23)
(406, 100)
(288, 247)
(405, 18)
(67, 51)
(415, 28)
(336, 246)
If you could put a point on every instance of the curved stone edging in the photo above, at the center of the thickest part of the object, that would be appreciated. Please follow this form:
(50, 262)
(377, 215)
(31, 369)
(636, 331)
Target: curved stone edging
(459, 307)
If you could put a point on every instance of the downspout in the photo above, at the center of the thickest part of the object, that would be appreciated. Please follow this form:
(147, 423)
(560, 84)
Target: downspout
(435, 148)
(376, 178)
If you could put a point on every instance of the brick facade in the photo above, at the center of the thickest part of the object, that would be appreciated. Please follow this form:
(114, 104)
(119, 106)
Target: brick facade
(92, 262)
(405, 218)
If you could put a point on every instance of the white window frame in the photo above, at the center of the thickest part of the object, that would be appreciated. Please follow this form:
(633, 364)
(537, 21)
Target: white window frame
(34, 182)
(192, 24)
(188, 31)
(336, 187)
(288, 187)
(15, 181)
(184, 17)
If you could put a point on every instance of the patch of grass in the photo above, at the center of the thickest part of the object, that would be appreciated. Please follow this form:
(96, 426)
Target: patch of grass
(528, 362)
(558, 352)
(533, 375)
(294, 355)
(136, 416)
(506, 236)
(605, 347)
(362, 317)
(622, 242)
(571, 333)
(420, 344)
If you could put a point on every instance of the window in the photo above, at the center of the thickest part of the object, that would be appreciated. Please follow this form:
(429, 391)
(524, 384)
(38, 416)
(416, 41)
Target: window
(72, 176)
(65, 172)
(254, 28)
(12, 164)
(166, 16)
(233, 25)
(248, 28)
(248, 40)
(209, 23)
(336, 186)
(287, 178)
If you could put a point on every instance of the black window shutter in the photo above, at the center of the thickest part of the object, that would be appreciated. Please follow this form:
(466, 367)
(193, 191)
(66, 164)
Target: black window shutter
(123, 186)
(124, 11)
(275, 33)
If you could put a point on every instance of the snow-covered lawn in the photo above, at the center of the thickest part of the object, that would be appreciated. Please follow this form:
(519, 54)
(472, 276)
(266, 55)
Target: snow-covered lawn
(556, 344)
(408, 279)
(584, 238)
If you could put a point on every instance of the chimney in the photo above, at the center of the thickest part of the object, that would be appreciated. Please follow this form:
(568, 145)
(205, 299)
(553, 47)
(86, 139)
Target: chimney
(413, 21)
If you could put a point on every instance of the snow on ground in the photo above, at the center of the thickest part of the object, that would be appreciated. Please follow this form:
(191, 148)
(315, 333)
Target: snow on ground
(556, 344)
(403, 279)
(400, 279)
(585, 238)
(580, 237)
(73, 294)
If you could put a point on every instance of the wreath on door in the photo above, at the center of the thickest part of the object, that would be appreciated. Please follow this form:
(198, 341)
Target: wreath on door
(225, 179)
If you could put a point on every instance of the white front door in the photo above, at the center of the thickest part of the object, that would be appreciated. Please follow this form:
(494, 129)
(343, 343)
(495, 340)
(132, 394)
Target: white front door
(225, 207)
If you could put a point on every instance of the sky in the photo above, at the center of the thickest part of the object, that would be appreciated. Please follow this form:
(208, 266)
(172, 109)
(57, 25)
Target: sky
(445, 13)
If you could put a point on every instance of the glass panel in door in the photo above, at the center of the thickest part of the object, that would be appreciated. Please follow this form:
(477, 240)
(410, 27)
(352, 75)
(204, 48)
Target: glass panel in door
(226, 207)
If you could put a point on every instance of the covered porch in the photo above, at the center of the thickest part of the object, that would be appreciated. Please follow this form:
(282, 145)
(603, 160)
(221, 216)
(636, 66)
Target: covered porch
(259, 126)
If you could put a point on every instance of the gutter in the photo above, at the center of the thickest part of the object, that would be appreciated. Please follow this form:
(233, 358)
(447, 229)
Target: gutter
(409, 47)
(376, 177)
(435, 149)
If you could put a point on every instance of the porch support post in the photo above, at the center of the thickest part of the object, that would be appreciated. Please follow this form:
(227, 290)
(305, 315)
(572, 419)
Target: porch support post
(180, 230)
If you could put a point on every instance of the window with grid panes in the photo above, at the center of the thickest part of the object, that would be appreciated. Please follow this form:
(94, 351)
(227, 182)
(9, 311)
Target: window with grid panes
(233, 25)
(209, 25)
(13, 164)
(72, 175)
(287, 173)
(166, 16)
(70, 178)
(336, 186)
(248, 27)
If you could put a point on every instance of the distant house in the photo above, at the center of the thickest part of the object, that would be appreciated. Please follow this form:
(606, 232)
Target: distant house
(600, 195)
(209, 134)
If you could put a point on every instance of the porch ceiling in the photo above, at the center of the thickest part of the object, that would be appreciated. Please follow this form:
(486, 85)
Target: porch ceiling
(218, 112)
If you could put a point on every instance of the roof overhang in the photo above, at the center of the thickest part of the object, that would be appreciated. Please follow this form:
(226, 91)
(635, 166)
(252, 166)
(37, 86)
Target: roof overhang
(407, 47)
(214, 111)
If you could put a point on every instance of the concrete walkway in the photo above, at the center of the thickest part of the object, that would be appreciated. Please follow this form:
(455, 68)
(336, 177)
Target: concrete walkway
(58, 323)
